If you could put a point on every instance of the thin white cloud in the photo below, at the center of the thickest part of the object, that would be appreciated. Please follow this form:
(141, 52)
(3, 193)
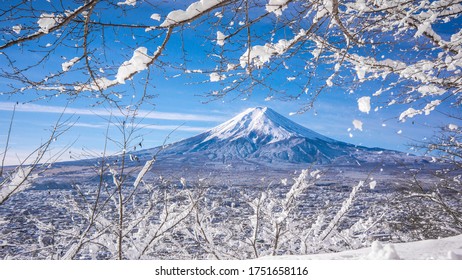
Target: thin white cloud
(87, 125)
(35, 108)
(176, 128)
(148, 126)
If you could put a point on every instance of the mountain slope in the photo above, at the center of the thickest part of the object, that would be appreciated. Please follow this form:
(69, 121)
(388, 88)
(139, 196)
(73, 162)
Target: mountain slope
(260, 135)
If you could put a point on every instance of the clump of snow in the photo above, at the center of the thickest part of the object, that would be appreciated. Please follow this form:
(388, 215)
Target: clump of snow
(364, 104)
(439, 249)
(372, 184)
(48, 21)
(68, 64)
(452, 126)
(220, 38)
(99, 84)
(361, 71)
(411, 112)
(315, 174)
(290, 79)
(17, 29)
(259, 55)
(137, 63)
(431, 106)
(425, 26)
(193, 71)
(329, 82)
(192, 11)
(183, 181)
(358, 124)
(325, 9)
(380, 252)
(57, 88)
(155, 17)
(276, 6)
(399, 131)
(454, 256)
(127, 2)
(430, 90)
(215, 77)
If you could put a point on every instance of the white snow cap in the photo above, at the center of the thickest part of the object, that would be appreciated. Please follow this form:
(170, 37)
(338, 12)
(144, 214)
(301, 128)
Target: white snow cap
(262, 121)
(364, 104)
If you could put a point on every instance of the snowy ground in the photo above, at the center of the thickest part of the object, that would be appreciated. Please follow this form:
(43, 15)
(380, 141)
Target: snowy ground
(441, 249)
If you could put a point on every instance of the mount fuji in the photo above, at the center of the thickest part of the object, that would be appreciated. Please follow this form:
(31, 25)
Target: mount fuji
(262, 136)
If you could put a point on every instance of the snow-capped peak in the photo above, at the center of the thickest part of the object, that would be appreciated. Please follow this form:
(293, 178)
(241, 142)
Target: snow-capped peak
(264, 136)
(260, 123)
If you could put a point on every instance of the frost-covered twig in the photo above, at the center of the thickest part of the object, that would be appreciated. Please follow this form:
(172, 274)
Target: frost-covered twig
(345, 206)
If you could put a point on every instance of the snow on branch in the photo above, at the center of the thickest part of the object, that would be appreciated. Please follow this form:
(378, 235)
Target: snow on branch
(194, 10)
(343, 43)
(68, 64)
(143, 172)
(277, 6)
(137, 63)
(259, 55)
(20, 180)
(338, 216)
(49, 23)
(128, 2)
(411, 112)
(140, 61)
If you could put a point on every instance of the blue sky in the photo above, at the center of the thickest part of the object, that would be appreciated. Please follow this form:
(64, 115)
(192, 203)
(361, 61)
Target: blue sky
(180, 108)
(185, 114)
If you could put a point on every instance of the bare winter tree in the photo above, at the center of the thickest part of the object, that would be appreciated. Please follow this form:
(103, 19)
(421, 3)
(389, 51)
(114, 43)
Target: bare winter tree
(275, 221)
(122, 212)
(437, 191)
(17, 178)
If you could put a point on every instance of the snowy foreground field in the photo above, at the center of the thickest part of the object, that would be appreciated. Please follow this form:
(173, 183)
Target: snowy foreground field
(449, 248)
(247, 189)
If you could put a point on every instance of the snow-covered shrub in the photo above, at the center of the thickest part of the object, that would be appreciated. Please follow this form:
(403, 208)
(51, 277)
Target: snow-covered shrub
(430, 201)
(272, 221)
